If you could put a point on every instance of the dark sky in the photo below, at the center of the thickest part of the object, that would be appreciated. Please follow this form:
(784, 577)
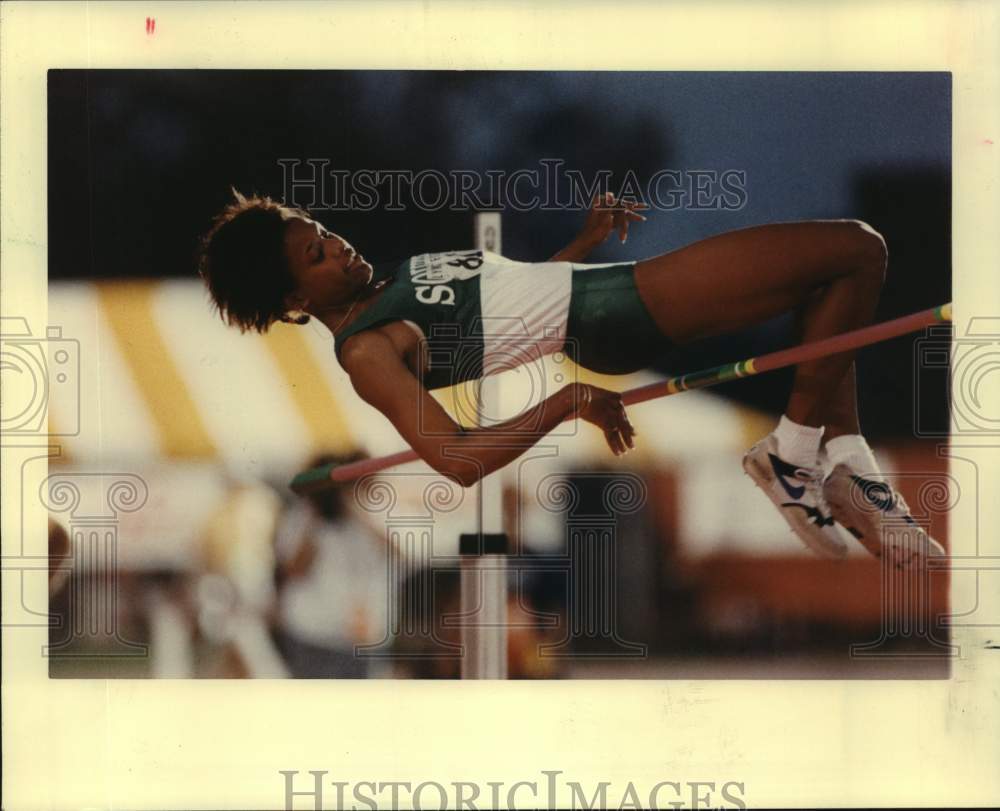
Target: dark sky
(139, 161)
(154, 151)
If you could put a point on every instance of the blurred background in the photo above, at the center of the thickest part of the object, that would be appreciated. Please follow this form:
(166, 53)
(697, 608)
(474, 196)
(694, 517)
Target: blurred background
(180, 551)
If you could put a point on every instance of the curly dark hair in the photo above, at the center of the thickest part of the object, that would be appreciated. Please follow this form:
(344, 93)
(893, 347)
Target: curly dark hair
(242, 262)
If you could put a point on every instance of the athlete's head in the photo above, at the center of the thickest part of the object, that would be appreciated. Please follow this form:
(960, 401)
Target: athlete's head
(264, 262)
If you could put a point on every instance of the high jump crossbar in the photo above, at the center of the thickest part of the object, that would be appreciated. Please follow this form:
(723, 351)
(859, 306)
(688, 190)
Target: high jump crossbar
(320, 477)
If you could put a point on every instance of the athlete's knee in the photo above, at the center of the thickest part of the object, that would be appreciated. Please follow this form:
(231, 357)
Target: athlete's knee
(869, 249)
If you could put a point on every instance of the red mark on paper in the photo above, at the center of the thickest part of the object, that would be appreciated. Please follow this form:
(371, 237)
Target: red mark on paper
(150, 25)
(988, 141)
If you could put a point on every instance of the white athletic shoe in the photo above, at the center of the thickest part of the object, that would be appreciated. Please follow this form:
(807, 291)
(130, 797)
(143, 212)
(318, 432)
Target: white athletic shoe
(797, 492)
(875, 514)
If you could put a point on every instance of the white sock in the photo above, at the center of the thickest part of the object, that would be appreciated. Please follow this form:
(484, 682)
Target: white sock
(853, 451)
(798, 444)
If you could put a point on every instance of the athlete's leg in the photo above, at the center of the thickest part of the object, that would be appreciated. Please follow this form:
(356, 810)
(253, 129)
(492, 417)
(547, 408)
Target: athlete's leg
(858, 496)
(743, 277)
(830, 273)
(841, 417)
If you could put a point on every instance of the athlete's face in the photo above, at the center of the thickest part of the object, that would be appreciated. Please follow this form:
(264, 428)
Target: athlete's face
(327, 270)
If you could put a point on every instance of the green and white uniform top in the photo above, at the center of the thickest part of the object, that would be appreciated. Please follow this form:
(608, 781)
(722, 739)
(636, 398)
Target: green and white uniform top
(478, 312)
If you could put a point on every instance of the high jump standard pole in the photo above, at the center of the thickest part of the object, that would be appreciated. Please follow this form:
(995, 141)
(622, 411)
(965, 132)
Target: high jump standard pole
(483, 555)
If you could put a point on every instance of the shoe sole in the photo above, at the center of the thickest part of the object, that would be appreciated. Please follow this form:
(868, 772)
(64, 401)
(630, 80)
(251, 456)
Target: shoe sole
(837, 492)
(763, 476)
(838, 495)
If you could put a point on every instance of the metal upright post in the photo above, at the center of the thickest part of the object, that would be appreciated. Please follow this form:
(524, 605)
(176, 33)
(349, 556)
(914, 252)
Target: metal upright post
(483, 554)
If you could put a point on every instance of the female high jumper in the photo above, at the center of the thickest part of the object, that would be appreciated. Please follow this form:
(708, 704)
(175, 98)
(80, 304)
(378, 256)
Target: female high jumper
(438, 319)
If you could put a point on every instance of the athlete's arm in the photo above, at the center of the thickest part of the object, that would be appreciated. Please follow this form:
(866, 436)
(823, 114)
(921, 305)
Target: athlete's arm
(383, 380)
(606, 216)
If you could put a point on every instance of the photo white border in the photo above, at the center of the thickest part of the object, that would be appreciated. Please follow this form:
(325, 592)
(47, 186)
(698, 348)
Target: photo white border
(219, 744)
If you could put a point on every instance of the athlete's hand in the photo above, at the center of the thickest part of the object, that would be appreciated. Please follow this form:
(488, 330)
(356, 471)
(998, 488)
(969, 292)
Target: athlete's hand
(608, 215)
(605, 409)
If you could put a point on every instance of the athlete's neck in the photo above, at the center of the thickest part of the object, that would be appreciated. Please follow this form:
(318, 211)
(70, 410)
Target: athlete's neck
(339, 318)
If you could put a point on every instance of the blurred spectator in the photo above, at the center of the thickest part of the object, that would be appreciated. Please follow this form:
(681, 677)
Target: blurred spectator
(60, 557)
(60, 561)
(332, 579)
(238, 564)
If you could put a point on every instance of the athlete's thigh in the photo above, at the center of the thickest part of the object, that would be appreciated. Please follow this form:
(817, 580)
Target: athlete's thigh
(742, 277)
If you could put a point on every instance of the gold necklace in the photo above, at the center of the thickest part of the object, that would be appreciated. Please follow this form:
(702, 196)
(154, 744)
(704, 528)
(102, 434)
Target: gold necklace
(378, 286)
(349, 311)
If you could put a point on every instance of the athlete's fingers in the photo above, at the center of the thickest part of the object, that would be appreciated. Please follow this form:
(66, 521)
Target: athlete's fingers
(623, 228)
(620, 432)
(620, 224)
(615, 442)
(628, 434)
(623, 426)
(635, 216)
(611, 423)
(622, 444)
(609, 437)
(632, 205)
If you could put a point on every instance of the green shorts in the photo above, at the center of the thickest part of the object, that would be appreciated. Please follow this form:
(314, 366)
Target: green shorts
(609, 329)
